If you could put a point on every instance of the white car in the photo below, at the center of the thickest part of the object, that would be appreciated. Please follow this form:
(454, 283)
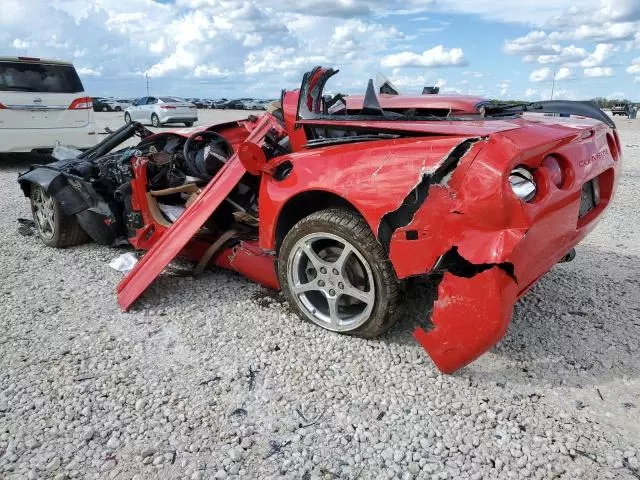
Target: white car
(43, 102)
(120, 104)
(158, 111)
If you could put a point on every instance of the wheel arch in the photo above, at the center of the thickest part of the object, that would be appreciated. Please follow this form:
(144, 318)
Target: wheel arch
(304, 204)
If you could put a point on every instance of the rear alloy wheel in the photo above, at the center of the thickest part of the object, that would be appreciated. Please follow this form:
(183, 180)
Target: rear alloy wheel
(336, 275)
(105, 109)
(127, 118)
(155, 121)
(55, 229)
(118, 109)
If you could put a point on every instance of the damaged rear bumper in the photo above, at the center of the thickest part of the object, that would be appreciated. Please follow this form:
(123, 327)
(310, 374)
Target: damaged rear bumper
(469, 317)
(486, 249)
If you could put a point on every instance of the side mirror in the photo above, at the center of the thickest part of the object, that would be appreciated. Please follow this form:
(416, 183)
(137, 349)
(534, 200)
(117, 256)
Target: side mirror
(252, 158)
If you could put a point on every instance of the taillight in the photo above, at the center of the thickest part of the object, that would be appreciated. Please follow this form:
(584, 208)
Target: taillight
(554, 168)
(167, 107)
(522, 184)
(82, 103)
(613, 146)
(2, 106)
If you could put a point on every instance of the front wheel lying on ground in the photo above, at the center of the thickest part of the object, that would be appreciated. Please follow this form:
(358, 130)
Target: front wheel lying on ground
(55, 229)
(334, 273)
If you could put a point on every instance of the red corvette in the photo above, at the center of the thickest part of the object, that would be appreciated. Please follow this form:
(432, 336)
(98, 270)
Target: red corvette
(339, 200)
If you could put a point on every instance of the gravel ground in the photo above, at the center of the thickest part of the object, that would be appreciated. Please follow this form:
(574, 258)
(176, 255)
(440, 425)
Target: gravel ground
(215, 378)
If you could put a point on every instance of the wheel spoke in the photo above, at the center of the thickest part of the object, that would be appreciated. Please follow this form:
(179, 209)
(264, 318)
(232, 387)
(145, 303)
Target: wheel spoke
(364, 297)
(313, 257)
(333, 310)
(305, 287)
(342, 259)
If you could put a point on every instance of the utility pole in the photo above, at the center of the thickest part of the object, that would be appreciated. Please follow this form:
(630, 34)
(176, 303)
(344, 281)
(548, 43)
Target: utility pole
(553, 83)
(146, 75)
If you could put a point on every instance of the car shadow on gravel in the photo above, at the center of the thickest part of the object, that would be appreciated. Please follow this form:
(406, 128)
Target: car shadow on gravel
(580, 323)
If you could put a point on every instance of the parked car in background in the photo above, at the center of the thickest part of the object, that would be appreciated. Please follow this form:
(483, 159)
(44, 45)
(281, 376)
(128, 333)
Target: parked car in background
(219, 103)
(620, 109)
(121, 104)
(42, 102)
(234, 104)
(101, 104)
(254, 104)
(158, 111)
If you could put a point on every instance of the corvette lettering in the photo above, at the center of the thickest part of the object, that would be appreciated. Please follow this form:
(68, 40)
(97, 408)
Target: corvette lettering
(595, 158)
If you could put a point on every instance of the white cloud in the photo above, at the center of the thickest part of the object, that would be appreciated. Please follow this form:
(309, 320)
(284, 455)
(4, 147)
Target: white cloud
(564, 73)
(594, 72)
(503, 88)
(409, 81)
(531, 92)
(598, 31)
(280, 59)
(158, 46)
(437, 56)
(541, 75)
(88, 72)
(533, 43)
(209, 71)
(599, 55)
(634, 68)
(566, 55)
(20, 44)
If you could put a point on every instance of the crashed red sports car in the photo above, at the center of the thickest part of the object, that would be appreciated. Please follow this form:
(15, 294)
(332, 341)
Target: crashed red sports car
(338, 201)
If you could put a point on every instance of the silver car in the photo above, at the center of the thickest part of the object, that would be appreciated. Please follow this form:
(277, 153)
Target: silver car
(158, 111)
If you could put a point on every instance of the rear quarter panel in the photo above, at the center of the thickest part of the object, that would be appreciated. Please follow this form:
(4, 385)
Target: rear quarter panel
(375, 177)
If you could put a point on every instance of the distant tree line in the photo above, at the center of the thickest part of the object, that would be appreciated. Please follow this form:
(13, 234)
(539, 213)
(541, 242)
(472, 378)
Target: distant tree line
(599, 101)
(607, 103)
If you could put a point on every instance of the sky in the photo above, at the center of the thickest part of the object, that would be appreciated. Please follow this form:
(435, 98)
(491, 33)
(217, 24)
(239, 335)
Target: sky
(255, 48)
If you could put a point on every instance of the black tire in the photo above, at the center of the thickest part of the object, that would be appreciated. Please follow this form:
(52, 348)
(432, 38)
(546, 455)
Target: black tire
(127, 117)
(65, 231)
(118, 109)
(155, 121)
(188, 124)
(105, 109)
(346, 225)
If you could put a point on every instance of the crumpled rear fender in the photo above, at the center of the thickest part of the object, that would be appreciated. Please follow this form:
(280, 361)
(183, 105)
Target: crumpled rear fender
(464, 232)
(469, 317)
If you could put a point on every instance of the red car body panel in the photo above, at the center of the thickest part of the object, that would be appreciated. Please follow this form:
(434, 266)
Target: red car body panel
(438, 200)
(457, 104)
